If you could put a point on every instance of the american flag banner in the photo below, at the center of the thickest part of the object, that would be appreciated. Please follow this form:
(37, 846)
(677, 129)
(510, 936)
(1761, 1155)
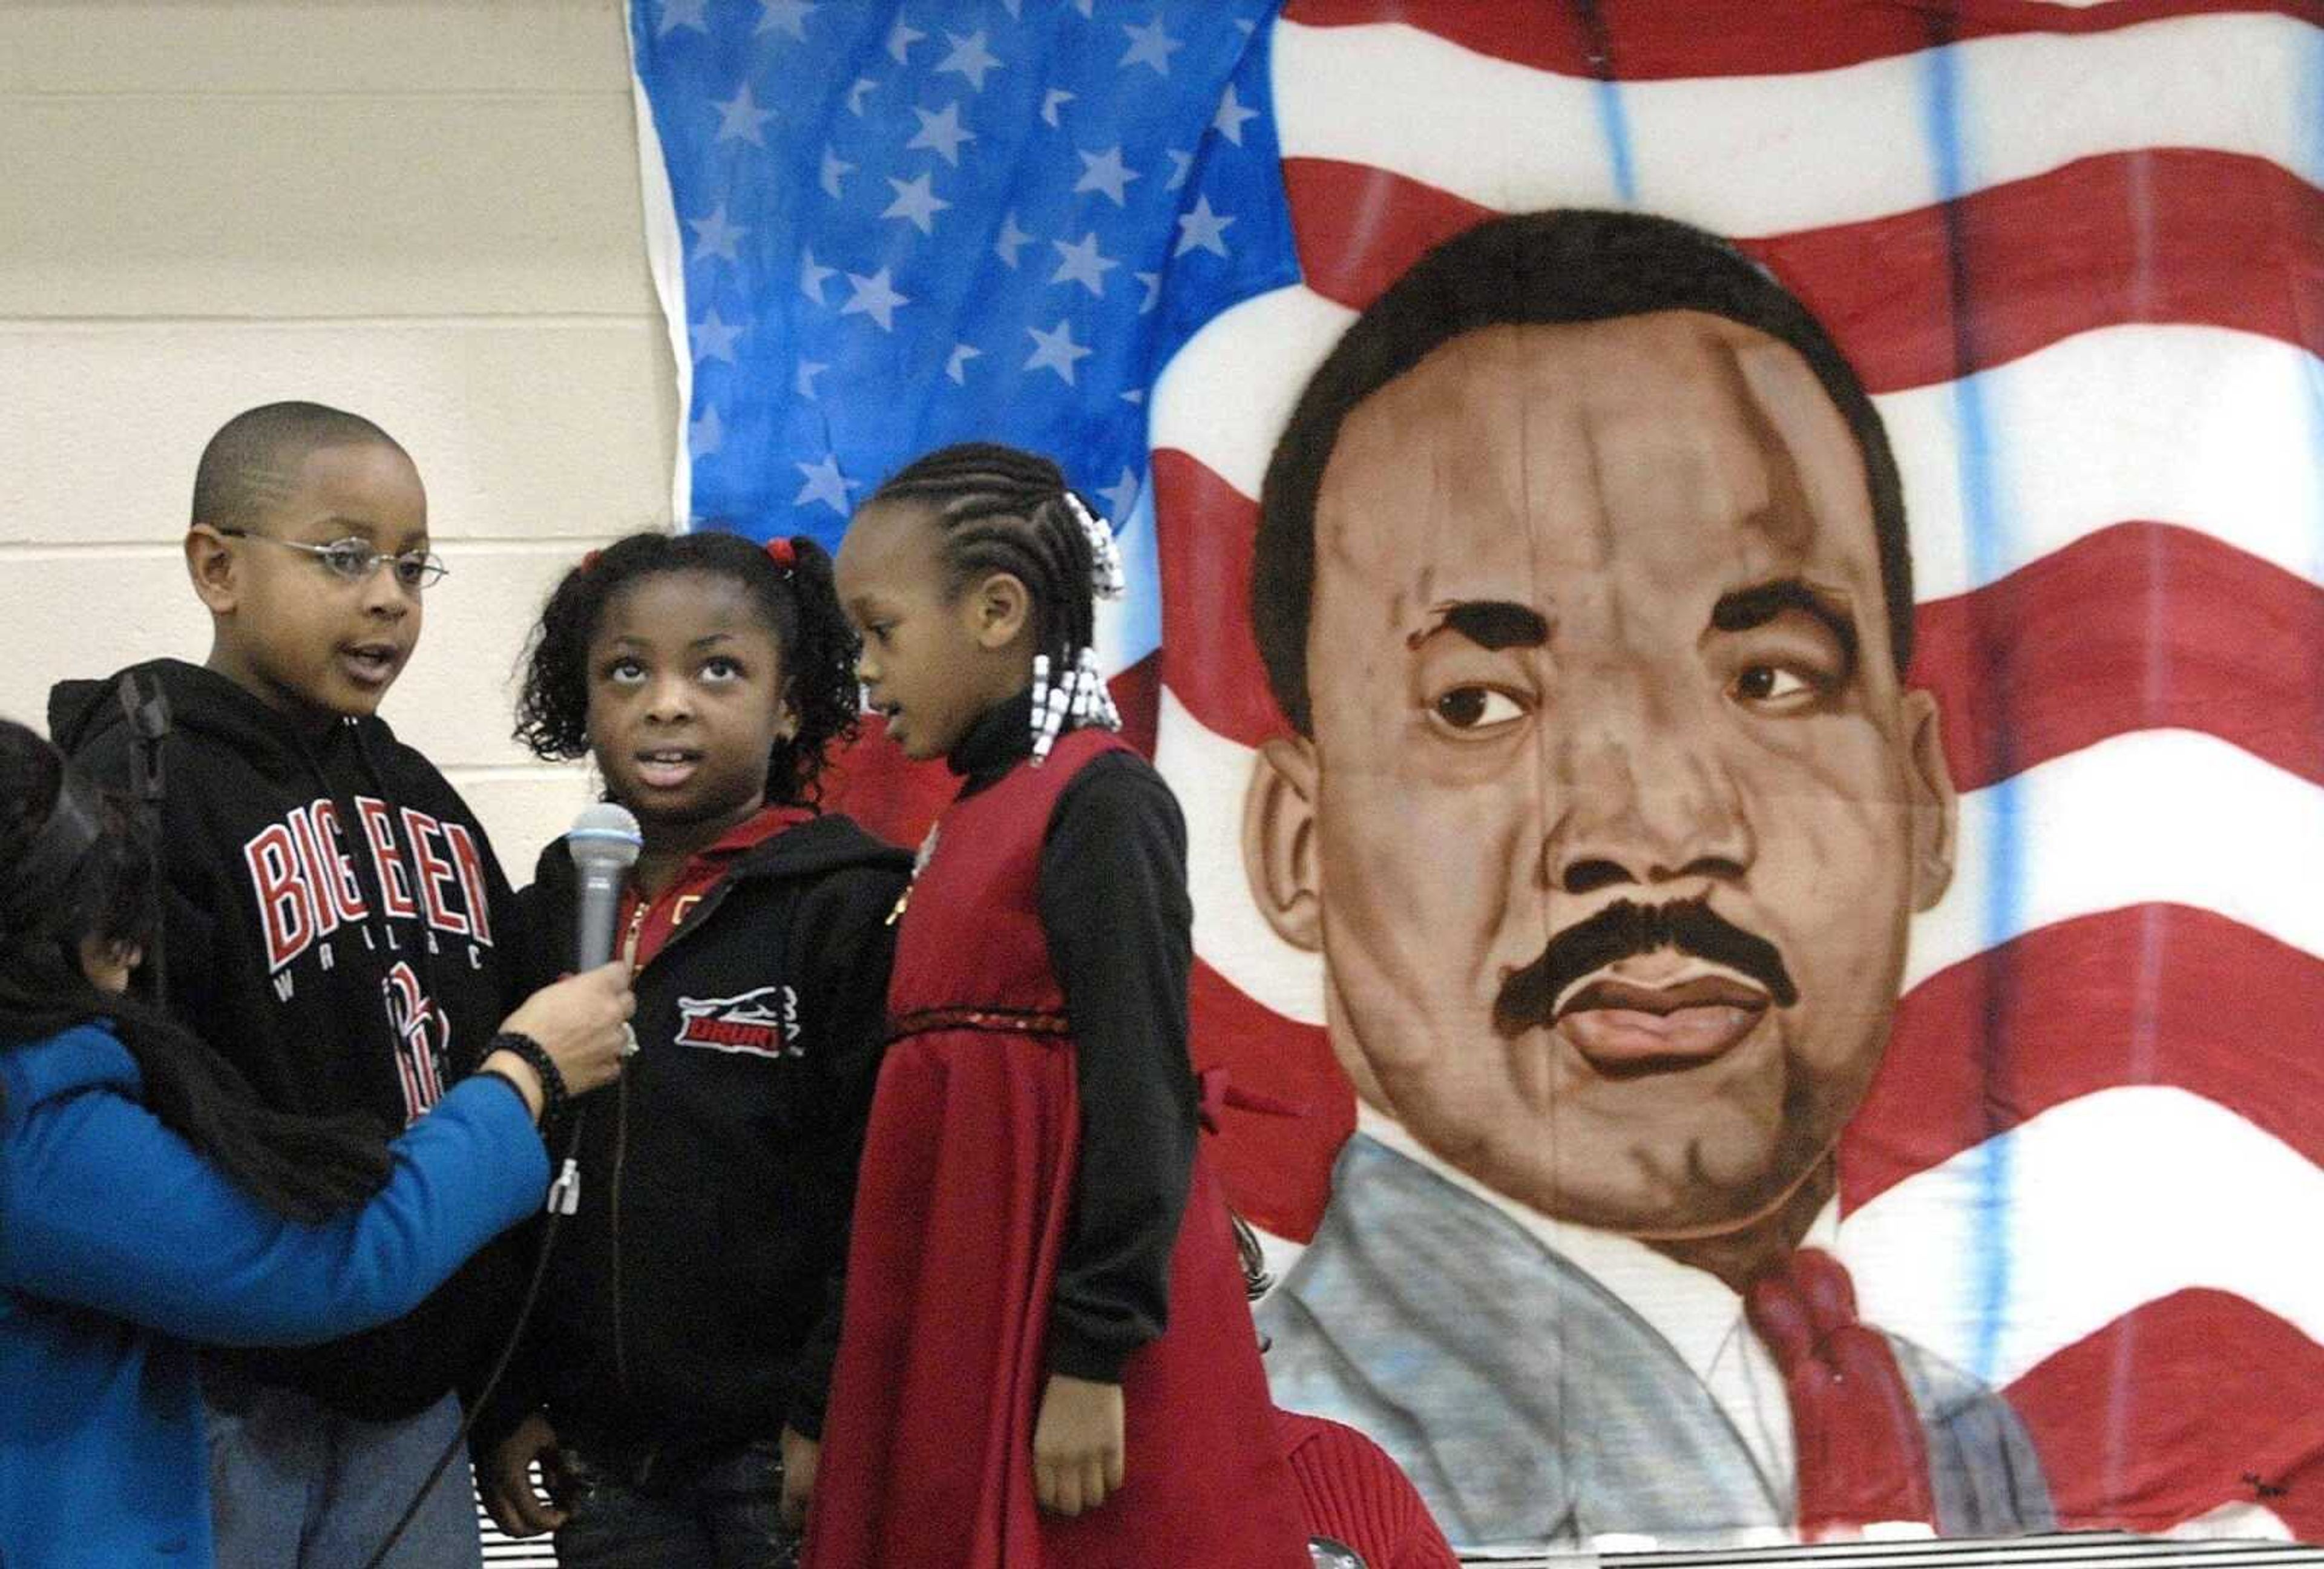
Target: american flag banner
(2074, 251)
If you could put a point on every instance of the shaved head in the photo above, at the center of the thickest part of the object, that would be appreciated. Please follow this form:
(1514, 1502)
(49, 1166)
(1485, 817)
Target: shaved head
(252, 464)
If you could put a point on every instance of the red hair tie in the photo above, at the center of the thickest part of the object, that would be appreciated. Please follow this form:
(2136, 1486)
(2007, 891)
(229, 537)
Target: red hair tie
(784, 554)
(589, 559)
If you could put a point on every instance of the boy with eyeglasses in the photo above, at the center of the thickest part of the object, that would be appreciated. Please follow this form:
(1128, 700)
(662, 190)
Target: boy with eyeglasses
(337, 927)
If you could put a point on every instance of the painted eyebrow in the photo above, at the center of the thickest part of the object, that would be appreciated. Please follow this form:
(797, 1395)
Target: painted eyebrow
(1746, 608)
(1492, 624)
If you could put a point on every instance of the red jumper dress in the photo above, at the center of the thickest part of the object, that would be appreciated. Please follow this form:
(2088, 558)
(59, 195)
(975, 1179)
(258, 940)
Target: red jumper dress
(962, 1210)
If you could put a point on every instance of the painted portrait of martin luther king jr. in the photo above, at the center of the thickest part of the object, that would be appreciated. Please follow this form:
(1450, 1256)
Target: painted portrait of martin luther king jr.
(1581, 579)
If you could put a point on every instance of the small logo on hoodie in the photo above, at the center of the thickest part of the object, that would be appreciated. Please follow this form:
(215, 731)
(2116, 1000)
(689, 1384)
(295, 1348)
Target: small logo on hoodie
(760, 1022)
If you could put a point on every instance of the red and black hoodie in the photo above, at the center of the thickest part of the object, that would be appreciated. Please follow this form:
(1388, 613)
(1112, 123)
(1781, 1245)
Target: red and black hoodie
(338, 928)
(693, 1298)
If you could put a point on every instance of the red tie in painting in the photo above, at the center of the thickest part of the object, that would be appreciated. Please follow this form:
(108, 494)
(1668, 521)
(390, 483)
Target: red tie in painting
(1862, 1456)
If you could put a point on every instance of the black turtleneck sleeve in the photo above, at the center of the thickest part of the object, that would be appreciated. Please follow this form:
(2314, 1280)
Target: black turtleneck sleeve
(1120, 928)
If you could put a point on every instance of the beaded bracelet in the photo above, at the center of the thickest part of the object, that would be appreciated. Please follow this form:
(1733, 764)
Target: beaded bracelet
(552, 1080)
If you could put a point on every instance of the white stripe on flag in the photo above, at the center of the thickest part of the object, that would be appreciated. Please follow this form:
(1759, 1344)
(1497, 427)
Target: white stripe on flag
(2153, 816)
(2093, 1226)
(2199, 426)
(1770, 154)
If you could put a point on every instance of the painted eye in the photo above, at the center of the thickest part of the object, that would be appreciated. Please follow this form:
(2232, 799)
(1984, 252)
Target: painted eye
(1477, 710)
(1773, 686)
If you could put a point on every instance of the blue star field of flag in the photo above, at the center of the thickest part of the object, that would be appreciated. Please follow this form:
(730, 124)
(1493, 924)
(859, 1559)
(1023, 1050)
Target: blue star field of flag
(910, 223)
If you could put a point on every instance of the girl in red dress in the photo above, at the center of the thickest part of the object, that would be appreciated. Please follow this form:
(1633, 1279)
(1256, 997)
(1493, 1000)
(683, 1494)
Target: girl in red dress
(1046, 1359)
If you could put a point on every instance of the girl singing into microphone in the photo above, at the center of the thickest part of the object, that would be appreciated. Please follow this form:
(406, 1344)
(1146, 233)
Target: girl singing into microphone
(673, 1383)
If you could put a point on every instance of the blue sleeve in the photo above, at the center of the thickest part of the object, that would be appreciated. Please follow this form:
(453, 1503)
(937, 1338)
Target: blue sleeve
(102, 1206)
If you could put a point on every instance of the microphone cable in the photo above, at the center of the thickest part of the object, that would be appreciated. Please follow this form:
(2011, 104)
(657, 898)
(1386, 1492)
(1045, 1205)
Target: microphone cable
(499, 1363)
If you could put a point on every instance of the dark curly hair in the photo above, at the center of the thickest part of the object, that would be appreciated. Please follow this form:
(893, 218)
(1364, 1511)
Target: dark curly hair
(800, 605)
(1003, 509)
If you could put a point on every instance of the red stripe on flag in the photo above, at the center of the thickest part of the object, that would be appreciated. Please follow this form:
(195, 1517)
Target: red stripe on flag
(1653, 40)
(2139, 627)
(2160, 235)
(1204, 531)
(2191, 1401)
(2153, 994)
(1277, 1169)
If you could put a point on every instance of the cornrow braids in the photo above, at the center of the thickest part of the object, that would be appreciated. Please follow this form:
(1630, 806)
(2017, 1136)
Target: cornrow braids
(1004, 510)
(799, 602)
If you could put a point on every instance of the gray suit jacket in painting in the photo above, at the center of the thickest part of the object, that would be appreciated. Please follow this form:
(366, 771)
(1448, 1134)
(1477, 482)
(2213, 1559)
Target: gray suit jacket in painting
(1416, 1314)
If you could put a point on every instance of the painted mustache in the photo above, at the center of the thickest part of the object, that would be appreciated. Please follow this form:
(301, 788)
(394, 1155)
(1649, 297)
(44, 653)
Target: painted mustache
(1623, 930)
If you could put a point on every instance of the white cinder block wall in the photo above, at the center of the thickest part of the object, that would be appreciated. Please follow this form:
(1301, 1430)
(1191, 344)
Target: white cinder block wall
(426, 211)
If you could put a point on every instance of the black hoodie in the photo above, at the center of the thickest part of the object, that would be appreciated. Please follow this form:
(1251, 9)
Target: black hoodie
(693, 1298)
(338, 928)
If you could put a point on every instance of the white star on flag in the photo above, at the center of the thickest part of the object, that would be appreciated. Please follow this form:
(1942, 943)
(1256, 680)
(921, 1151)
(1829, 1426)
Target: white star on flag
(900, 39)
(707, 434)
(824, 484)
(1153, 281)
(956, 367)
(1121, 497)
(1202, 229)
(803, 384)
(1082, 265)
(1229, 121)
(788, 15)
(876, 298)
(835, 169)
(1150, 46)
(916, 204)
(1181, 165)
(855, 92)
(969, 57)
(941, 135)
(1057, 351)
(677, 13)
(1053, 101)
(714, 339)
(1105, 172)
(1010, 241)
(715, 236)
(811, 277)
(738, 119)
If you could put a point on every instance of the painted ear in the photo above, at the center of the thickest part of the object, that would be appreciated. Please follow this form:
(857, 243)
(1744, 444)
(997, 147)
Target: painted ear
(1936, 806)
(211, 567)
(1278, 841)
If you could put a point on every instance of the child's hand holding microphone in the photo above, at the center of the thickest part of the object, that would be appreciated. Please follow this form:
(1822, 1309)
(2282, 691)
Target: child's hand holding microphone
(581, 1025)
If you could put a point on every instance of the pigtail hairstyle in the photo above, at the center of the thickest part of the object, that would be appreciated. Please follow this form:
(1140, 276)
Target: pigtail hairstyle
(1003, 509)
(77, 864)
(797, 598)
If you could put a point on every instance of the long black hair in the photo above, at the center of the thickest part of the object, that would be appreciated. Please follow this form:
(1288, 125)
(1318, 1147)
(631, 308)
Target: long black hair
(78, 866)
(797, 598)
(1004, 510)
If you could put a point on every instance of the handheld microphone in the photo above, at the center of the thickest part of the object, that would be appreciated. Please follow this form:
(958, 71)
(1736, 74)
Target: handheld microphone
(605, 843)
